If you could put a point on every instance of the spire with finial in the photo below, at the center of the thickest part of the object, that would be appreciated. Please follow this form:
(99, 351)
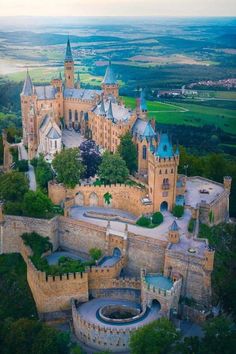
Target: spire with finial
(60, 76)
(110, 112)
(28, 86)
(143, 103)
(78, 80)
(68, 56)
(109, 78)
(102, 111)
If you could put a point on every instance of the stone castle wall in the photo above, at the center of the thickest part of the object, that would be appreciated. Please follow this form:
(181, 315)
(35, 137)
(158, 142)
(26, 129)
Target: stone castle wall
(123, 197)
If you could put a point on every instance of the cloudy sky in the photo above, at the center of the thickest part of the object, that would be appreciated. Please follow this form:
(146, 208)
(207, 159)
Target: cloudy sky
(118, 7)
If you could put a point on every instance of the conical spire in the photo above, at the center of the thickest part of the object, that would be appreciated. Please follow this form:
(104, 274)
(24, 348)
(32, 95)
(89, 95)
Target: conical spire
(109, 112)
(60, 76)
(68, 56)
(143, 103)
(174, 226)
(28, 86)
(102, 111)
(109, 78)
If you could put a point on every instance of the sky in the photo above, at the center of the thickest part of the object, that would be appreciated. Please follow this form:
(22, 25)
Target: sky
(118, 8)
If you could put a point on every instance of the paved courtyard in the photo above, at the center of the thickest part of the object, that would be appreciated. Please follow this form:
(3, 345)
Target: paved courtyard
(71, 138)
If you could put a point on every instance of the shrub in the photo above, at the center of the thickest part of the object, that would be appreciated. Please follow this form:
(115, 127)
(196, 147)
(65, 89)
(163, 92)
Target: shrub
(95, 253)
(157, 218)
(22, 166)
(178, 211)
(144, 221)
(191, 225)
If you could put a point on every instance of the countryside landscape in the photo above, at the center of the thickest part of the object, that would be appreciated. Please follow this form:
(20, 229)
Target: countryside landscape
(117, 183)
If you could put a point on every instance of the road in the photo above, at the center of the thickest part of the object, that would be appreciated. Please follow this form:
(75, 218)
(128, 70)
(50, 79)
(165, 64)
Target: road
(23, 155)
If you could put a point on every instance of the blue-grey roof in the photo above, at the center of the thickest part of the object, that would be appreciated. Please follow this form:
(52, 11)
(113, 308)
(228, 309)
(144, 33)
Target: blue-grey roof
(44, 122)
(28, 86)
(102, 111)
(78, 76)
(47, 92)
(68, 56)
(81, 94)
(180, 200)
(164, 148)
(109, 78)
(143, 103)
(174, 226)
(143, 129)
(110, 112)
(53, 134)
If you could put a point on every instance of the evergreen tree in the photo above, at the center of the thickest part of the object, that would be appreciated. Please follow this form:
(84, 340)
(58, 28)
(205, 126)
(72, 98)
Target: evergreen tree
(128, 152)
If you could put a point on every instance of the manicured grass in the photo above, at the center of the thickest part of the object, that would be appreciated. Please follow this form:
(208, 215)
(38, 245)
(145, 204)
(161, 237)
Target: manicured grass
(189, 114)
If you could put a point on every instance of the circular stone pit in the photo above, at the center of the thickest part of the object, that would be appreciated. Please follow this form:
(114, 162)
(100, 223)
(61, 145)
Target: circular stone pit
(119, 313)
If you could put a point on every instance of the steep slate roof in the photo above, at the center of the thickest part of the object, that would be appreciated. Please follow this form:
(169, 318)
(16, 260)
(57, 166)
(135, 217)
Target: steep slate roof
(68, 56)
(47, 92)
(113, 109)
(45, 121)
(28, 86)
(109, 78)
(174, 226)
(164, 148)
(102, 111)
(143, 103)
(143, 129)
(81, 94)
(53, 134)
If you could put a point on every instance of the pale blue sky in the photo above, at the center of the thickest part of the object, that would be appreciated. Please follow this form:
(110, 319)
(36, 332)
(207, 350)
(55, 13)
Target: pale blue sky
(118, 7)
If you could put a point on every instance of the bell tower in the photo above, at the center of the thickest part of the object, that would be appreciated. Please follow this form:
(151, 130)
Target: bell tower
(69, 67)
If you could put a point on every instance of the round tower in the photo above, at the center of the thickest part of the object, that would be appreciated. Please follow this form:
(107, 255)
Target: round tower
(110, 85)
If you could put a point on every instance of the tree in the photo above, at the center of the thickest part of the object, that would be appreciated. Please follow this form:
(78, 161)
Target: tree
(113, 169)
(157, 218)
(21, 166)
(43, 172)
(219, 336)
(157, 337)
(36, 204)
(13, 186)
(95, 253)
(128, 152)
(143, 221)
(68, 166)
(91, 157)
(178, 211)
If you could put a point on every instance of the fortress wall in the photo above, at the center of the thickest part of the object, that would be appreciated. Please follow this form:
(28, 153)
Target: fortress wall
(80, 236)
(219, 209)
(15, 226)
(196, 281)
(123, 197)
(145, 252)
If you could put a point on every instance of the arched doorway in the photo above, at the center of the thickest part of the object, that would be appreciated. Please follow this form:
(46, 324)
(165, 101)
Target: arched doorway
(93, 199)
(164, 206)
(155, 303)
(117, 252)
(79, 199)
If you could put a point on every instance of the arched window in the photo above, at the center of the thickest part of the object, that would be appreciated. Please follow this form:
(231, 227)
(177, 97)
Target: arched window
(144, 152)
(160, 172)
(166, 172)
(172, 170)
(76, 115)
(70, 114)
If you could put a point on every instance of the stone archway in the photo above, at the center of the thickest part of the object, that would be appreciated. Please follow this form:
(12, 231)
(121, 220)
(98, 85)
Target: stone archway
(93, 199)
(79, 199)
(117, 252)
(164, 206)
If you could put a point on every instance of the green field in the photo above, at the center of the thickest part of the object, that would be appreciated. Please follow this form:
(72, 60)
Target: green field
(189, 114)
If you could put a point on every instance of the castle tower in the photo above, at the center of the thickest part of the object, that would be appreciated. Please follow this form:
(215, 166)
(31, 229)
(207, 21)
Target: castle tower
(227, 183)
(209, 259)
(26, 95)
(78, 81)
(57, 83)
(69, 67)
(110, 85)
(32, 135)
(143, 105)
(173, 234)
(162, 174)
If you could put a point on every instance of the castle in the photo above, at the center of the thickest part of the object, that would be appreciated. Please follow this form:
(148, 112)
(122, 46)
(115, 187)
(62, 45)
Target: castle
(149, 271)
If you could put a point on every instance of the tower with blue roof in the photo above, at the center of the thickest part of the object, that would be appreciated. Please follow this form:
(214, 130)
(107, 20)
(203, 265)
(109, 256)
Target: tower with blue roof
(110, 84)
(162, 173)
(69, 67)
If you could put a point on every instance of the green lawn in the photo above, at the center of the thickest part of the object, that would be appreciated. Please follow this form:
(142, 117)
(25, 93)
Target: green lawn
(189, 114)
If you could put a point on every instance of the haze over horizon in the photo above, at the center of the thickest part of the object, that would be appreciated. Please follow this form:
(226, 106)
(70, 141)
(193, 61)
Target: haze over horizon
(168, 8)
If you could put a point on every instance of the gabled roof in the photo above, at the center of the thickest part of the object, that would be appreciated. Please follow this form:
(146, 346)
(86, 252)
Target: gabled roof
(174, 226)
(68, 56)
(28, 86)
(109, 78)
(164, 148)
(53, 134)
(143, 129)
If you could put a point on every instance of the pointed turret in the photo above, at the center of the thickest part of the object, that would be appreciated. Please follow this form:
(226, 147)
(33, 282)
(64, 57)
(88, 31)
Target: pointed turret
(60, 76)
(143, 103)
(173, 233)
(102, 111)
(68, 55)
(28, 86)
(69, 67)
(110, 112)
(109, 84)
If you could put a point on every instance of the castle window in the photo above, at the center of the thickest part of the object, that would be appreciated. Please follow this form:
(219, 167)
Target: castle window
(70, 114)
(172, 170)
(160, 172)
(166, 172)
(144, 152)
(55, 144)
(76, 115)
